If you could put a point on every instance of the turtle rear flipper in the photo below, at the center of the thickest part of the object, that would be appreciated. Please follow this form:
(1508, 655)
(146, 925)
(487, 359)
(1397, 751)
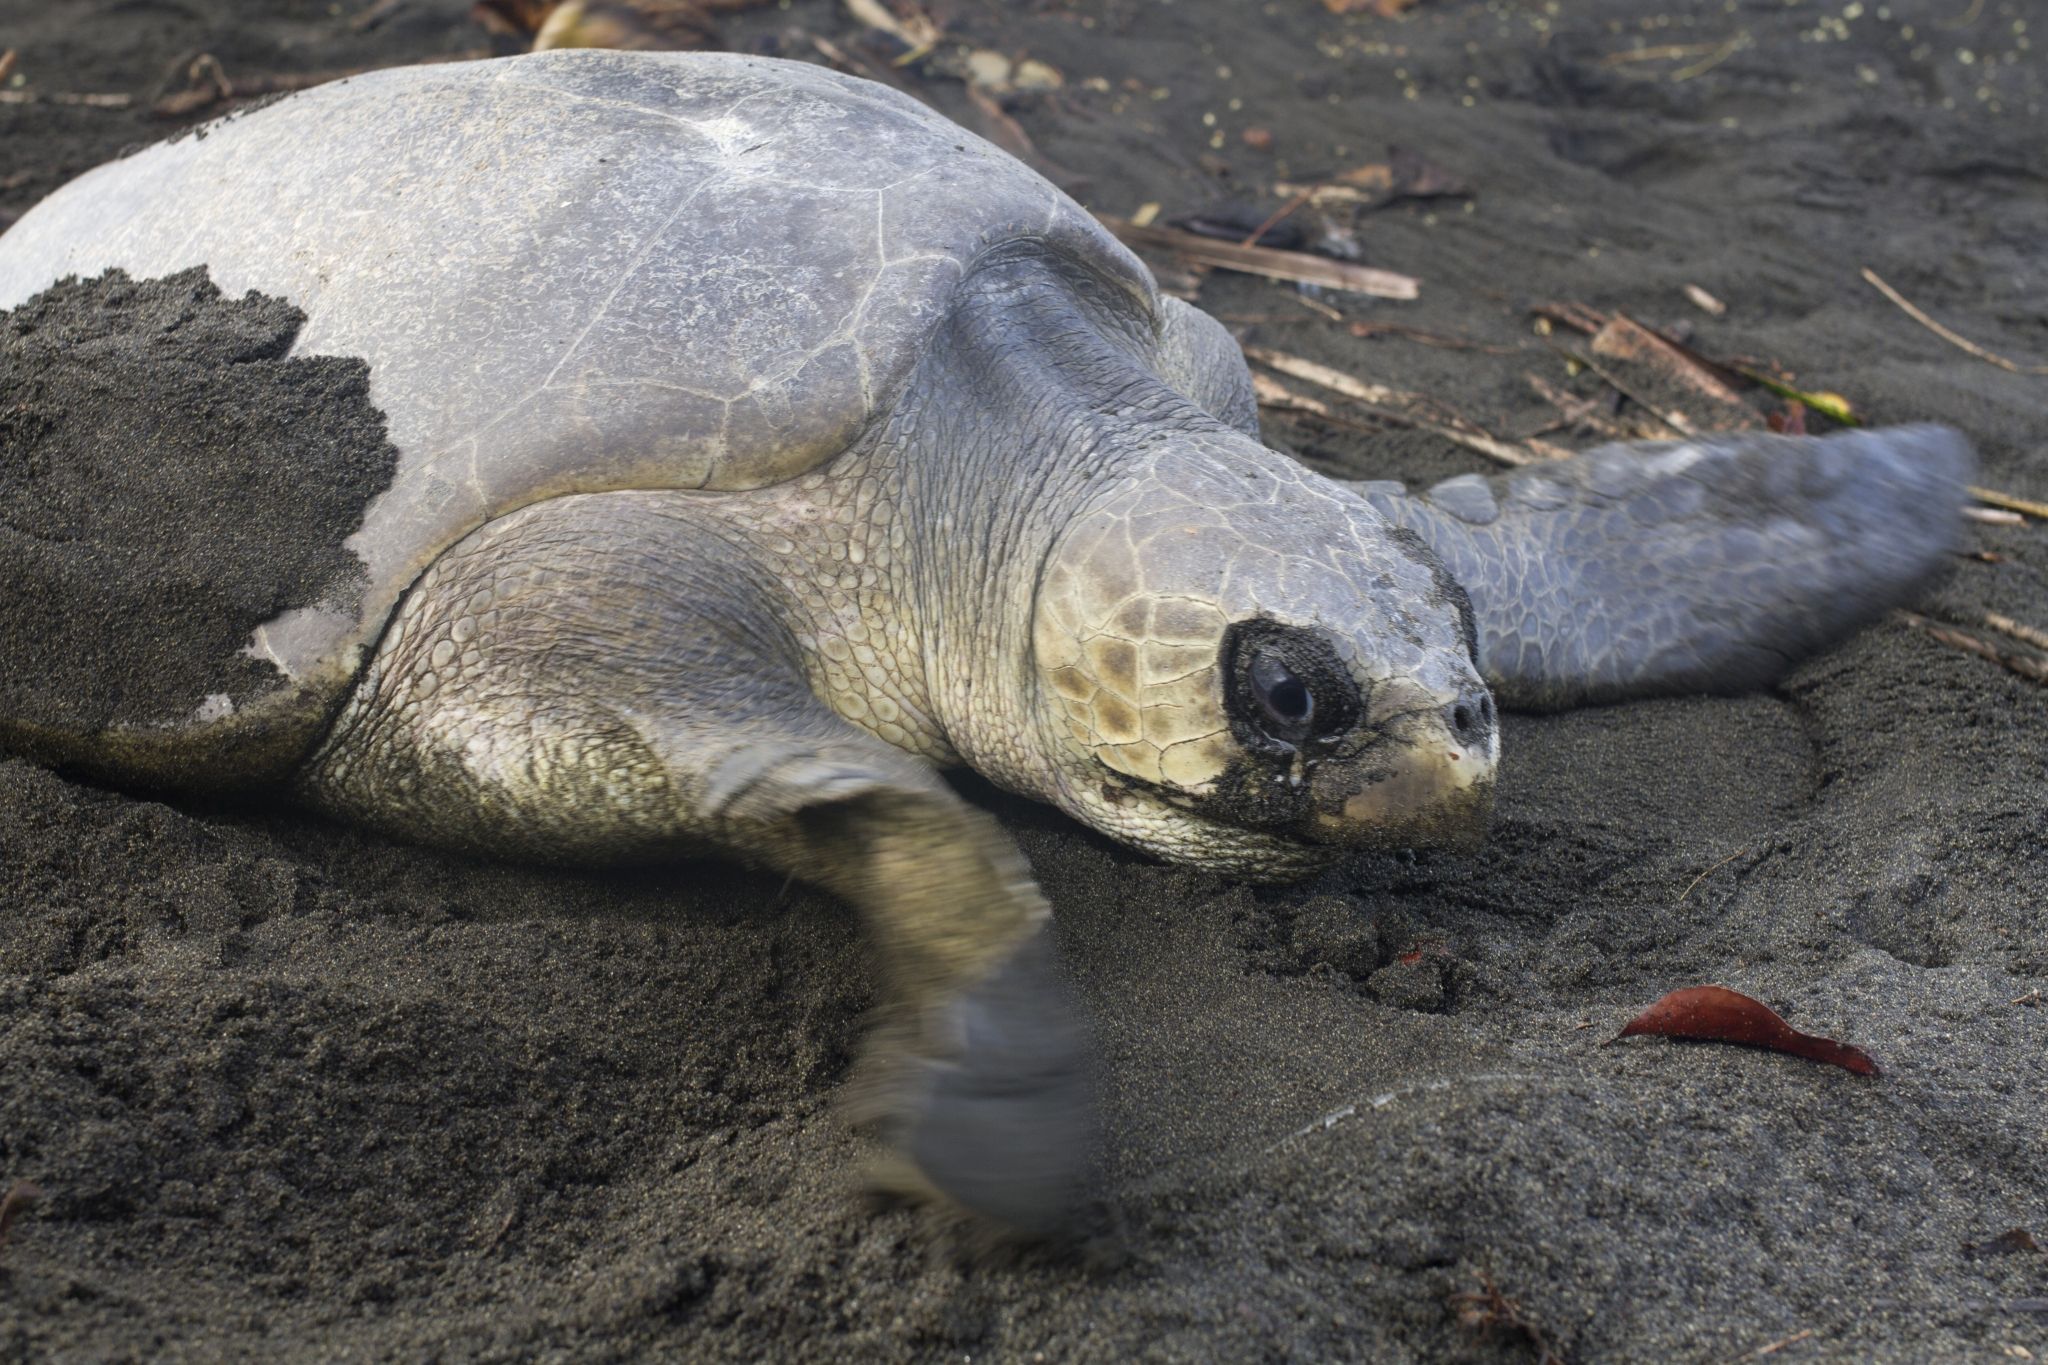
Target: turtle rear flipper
(1689, 566)
(599, 679)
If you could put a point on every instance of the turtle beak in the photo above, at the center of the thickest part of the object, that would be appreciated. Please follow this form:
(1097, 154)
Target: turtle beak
(1423, 779)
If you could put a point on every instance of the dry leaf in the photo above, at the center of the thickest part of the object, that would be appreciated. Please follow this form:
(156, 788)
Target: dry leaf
(1715, 1014)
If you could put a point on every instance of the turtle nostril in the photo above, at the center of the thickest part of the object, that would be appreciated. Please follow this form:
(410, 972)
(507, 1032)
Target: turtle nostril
(1471, 719)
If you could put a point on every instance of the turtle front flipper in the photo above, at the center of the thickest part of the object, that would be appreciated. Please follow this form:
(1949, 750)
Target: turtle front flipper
(1710, 565)
(601, 679)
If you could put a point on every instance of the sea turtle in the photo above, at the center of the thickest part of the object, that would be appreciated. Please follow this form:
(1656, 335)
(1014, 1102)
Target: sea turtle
(766, 442)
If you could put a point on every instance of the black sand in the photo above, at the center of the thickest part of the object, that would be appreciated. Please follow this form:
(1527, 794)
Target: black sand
(169, 482)
(295, 1092)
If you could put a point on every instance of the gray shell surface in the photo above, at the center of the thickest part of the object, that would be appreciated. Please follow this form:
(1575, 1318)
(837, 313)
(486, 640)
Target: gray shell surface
(570, 272)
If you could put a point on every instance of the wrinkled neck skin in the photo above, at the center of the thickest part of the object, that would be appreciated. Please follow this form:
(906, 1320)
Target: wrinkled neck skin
(913, 560)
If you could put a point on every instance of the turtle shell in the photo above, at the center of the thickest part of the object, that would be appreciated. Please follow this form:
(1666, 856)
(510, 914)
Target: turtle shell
(567, 272)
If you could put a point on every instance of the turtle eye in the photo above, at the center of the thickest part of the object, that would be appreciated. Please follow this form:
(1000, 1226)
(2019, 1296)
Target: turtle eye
(1285, 698)
(1287, 686)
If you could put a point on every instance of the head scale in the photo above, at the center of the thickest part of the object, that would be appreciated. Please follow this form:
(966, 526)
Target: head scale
(1243, 666)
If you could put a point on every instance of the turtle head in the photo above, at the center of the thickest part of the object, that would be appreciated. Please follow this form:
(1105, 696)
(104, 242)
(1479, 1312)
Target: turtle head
(1245, 667)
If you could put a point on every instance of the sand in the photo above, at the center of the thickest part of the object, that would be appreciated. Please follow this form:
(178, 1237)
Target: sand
(294, 1092)
(169, 482)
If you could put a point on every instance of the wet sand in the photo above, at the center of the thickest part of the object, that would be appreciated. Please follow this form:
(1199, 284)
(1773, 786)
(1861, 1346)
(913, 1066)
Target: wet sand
(296, 1092)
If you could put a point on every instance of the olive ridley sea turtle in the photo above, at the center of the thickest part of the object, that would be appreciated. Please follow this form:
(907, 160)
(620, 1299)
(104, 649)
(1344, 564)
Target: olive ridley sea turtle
(765, 442)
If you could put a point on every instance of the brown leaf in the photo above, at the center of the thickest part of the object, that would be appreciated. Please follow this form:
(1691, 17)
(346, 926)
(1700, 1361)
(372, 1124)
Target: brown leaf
(1715, 1014)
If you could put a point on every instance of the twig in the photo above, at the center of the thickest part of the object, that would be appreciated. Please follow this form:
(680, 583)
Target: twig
(1270, 262)
(1277, 397)
(2026, 665)
(1708, 873)
(1990, 357)
(2032, 999)
(1706, 64)
(1575, 411)
(1396, 405)
(376, 14)
(86, 100)
(2025, 634)
(1280, 215)
(7, 60)
(1675, 421)
(2037, 510)
(1439, 339)
(1318, 307)
(1760, 1352)
(1994, 516)
(1667, 52)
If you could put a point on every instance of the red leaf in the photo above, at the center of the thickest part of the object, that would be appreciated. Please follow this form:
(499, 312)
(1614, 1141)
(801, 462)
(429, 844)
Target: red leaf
(1715, 1014)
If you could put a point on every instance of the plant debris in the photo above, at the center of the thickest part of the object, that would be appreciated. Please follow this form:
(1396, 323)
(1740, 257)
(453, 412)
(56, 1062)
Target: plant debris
(207, 83)
(626, 25)
(1715, 1014)
(1485, 1310)
(1385, 9)
(1296, 266)
(20, 1198)
(1664, 378)
(2031, 666)
(1704, 301)
(1407, 409)
(1774, 1347)
(913, 29)
(2010, 1242)
(2024, 506)
(1952, 338)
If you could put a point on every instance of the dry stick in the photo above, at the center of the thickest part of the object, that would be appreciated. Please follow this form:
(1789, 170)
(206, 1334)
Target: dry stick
(1668, 419)
(1708, 873)
(2020, 631)
(1668, 52)
(376, 14)
(1444, 340)
(1393, 405)
(1991, 357)
(1994, 516)
(1576, 411)
(71, 97)
(2038, 510)
(1281, 215)
(1775, 1347)
(1277, 397)
(1298, 266)
(7, 60)
(2026, 665)
(1703, 66)
(1318, 307)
